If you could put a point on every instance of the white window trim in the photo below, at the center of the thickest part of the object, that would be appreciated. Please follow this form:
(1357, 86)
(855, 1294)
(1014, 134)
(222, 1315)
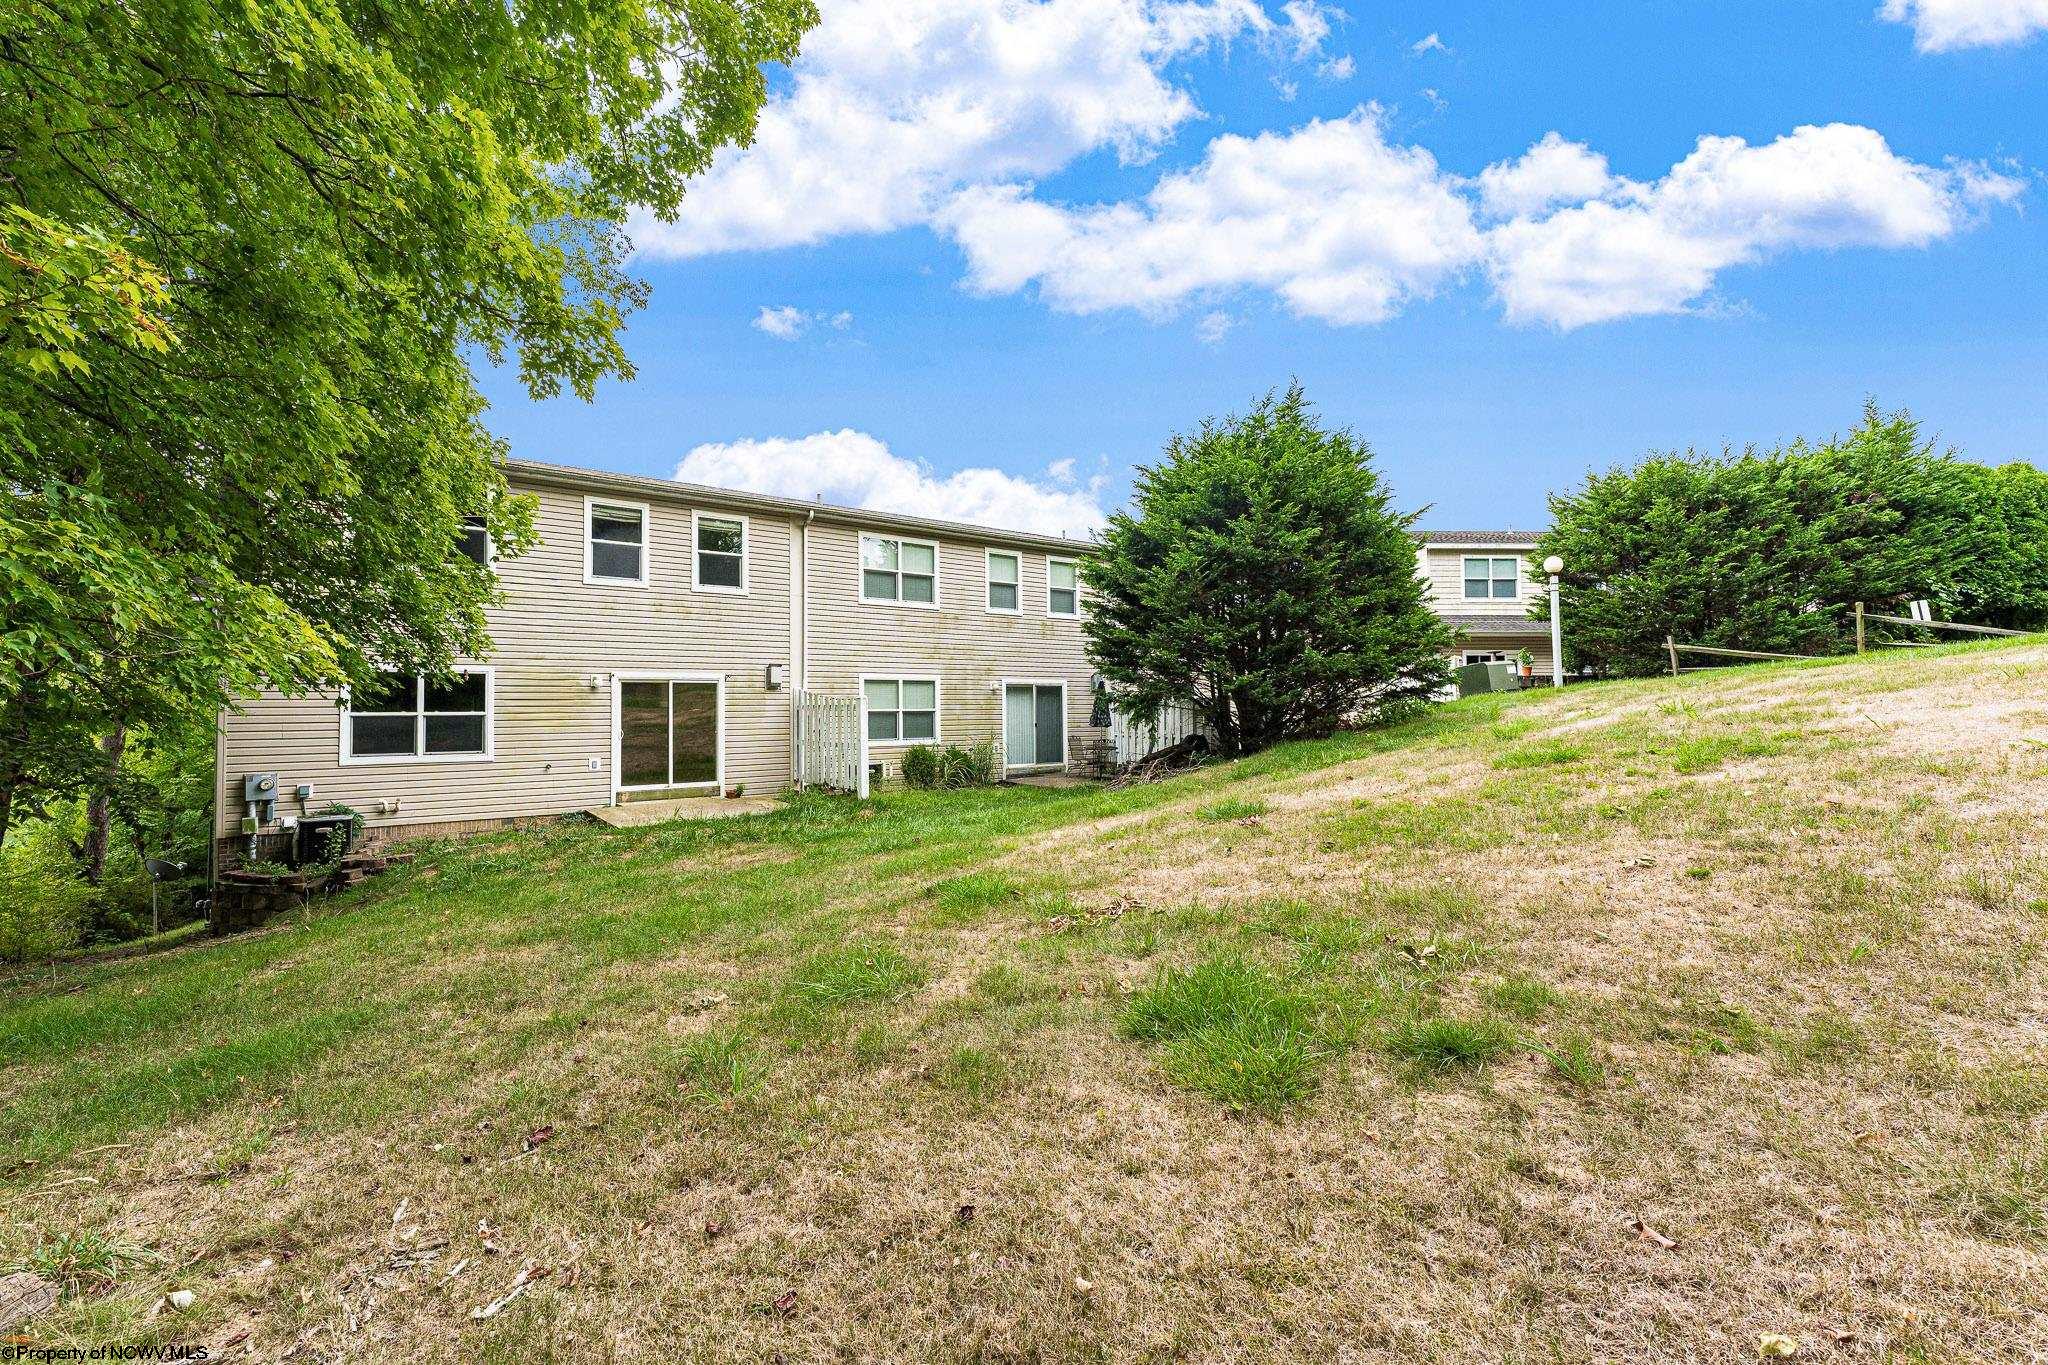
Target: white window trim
(646, 543)
(1496, 656)
(347, 718)
(938, 711)
(1066, 722)
(1521, 578)
(988, 581)
(697, 516)
(717, 784)
(1075, 614)
(490, 541)
(860, 581)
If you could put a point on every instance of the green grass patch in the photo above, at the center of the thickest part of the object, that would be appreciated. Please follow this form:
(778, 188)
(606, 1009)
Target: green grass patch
(720, 1068)
(961, 899)
(1701, 753)
(1443, 1043)
(1524, 997)
(1233, 1031)
(1542, 753)
(861, 973)
(1221, 811)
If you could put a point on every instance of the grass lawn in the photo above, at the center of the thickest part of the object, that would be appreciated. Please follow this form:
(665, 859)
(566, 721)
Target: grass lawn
(1633, 1023)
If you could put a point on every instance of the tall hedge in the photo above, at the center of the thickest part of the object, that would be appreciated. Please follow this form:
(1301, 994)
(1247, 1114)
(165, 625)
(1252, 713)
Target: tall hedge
(1767, 550)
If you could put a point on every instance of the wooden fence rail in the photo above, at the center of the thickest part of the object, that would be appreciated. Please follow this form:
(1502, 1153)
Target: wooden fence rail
(1862, 616)
(1674, 649)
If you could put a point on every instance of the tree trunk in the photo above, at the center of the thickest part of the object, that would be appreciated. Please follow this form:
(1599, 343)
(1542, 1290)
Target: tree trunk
(99, 809)
(6, 809)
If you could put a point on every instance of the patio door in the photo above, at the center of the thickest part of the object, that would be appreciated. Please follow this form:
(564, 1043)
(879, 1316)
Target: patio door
(1035, 724)
(668, 733)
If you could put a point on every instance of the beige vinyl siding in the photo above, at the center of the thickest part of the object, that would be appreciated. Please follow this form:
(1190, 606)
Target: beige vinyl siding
(552, 632)
(1444, 571)
(968, 648)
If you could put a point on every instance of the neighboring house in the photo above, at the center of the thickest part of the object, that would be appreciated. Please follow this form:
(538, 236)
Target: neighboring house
(654, 643)
(1482, 583)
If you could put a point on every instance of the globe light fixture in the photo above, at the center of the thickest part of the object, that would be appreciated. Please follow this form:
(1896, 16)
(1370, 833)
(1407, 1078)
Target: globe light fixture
(1554, 566)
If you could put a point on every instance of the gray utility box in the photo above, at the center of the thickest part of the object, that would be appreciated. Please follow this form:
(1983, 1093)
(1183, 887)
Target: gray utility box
(1473, 679)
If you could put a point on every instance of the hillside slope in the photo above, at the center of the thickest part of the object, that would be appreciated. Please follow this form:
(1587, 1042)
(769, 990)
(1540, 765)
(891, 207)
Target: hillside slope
(1633, 1023)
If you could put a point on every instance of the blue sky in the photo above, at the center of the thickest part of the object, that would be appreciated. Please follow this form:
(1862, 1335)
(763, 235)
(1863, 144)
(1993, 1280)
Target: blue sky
(987, 255)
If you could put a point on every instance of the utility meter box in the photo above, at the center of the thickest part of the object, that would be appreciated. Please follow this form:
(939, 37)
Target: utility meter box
(259, 787)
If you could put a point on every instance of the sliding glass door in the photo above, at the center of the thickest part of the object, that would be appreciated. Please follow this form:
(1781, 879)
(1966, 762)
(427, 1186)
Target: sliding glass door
(668, 733)
(1035, 724)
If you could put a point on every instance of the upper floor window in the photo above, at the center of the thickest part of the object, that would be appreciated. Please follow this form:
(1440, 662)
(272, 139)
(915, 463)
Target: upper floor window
(1062, 587)
(896, 570)
(407, 716)
(721, 553)
(475, 541)
(615, 544)
(1002, 581)
(1492, 577)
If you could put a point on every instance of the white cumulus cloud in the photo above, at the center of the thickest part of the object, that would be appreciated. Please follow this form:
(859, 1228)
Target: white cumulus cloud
(1350, 228)
(1551, 172)
(788, 323)
(1340, 224)
(1433, 43)
(1945, 25)
(853, 469)
(1657, 247)
(894, 104)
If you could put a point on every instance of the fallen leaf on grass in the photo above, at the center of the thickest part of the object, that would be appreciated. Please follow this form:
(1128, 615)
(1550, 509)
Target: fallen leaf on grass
(1773, 1346)
(1652, 1236)
(785, 1305)
(544, 1133)
(964, 1214)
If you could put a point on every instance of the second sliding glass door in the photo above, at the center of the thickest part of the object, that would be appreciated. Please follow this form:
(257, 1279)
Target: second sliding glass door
(668, 733)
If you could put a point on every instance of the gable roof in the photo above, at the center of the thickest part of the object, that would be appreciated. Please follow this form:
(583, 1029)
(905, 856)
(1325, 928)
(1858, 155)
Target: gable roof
(575, 477)
(1486, 538)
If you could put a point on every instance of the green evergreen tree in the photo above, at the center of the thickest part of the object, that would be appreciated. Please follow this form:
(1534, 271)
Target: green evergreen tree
(1264, 577)
(1769, 550)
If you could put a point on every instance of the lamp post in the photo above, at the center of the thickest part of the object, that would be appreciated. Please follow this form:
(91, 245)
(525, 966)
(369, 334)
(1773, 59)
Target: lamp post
(1555, 566)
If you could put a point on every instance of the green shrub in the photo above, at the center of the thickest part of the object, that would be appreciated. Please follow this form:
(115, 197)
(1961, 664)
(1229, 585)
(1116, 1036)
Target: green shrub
(921, 766)
(43, 904)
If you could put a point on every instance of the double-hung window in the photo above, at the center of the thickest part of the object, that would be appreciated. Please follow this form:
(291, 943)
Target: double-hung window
(1491, 578)
(1003, 569)
(902, 708)
(896, 570)
(615, 542)
(721, 553)
(475, 541)
(403, 716)
(1062, 587)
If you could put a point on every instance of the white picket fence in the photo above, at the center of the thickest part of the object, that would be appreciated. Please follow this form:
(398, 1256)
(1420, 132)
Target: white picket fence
(828, 743)
(1136, 737)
